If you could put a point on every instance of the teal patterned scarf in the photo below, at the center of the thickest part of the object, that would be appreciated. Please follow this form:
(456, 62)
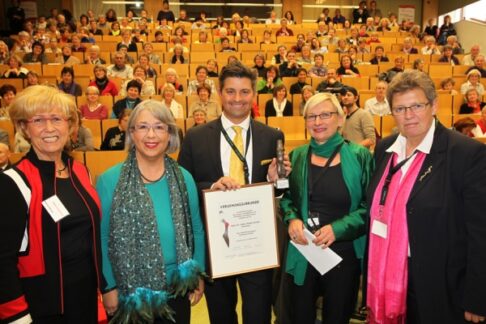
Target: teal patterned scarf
(134, 246)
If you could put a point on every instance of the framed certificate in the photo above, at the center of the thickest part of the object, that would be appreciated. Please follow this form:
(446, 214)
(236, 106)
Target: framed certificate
(241, 229)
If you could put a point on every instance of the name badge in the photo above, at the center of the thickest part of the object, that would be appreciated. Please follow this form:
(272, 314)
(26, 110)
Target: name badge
(55, 208)
(379, 228)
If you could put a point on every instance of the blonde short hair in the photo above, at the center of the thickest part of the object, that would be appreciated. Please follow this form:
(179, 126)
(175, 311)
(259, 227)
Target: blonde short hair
(38, 99)
(321, 97)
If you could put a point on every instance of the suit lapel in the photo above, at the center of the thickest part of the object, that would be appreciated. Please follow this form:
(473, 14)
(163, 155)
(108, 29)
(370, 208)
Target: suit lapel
(214, 146)
(432, 162)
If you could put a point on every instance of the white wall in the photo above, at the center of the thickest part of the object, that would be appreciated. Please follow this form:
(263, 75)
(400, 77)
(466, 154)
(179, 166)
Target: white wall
(470, 33)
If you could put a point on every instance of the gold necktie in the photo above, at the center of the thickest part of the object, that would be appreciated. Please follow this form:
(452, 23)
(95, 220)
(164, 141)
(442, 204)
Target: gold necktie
(236, 166)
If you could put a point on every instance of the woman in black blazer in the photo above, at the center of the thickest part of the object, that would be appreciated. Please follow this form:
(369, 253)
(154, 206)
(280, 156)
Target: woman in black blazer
(427, 240)
(279, 105)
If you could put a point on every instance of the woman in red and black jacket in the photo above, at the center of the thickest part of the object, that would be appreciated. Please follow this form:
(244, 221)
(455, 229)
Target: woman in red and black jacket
(50, 266)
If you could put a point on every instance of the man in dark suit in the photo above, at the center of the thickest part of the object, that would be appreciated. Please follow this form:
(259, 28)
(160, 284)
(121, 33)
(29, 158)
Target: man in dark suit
(206, 154)
(427, 241)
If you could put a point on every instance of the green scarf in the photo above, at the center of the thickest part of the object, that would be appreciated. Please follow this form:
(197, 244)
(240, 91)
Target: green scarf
(325, 150)
(134, 245)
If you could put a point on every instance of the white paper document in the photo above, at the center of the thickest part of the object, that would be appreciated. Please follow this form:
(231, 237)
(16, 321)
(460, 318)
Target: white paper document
(321, 259)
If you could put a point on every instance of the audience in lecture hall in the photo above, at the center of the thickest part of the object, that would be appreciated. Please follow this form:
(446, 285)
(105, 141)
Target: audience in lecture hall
(168, 66)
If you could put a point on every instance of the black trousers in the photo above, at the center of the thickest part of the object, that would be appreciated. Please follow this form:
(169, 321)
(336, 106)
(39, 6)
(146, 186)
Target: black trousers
(256, 294)
(182, 308)
(80, 304)
(339, 289)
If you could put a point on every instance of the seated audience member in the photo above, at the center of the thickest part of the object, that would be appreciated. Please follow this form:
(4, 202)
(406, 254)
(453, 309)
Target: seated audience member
(37, 55)
(159, 37)
(448, 85)
(267, 37)
(317, 48)
(4, 156)
(478, 65)
(15, 69)
(379, 56)
(448, 56)
(148, 49)
(398, 67)
(4, 137)
(279, 105)
(127, 41)
(171, 77)
(76, 45)
(473, 80)
(115, 29)
(300, 43)
(132, 99)
(342, 47)
(140, 75)
(32, 79)
(318, 69)
(128, 58)
(114, 139)
(144, 62)
(281, 55)
(373, 38)
(178, 55)
(93, 109)
(245, 37)
(353, 37)
(52, 47)
(407, 47)
(296, 88)
(169, 102)
(4, 53)
(232, 59)
(202, 38)
(378, 105)
(199, 117)
(468, 59)
(473, 104)
(353, 53)
(430, 47)
(465, 126)
(307, 92)
(259, 61)
(120, 69)
(93, 28)
(204, 102)
(67, 85)
(347, 68)
(330, 83)
(305, 56)
(93, 56)
(480, 130)
(419, 64)
(272, 19)
(81, 138)
(212, 66)
(225, 45)
(201, 78)
(67, 58)
(101, 81)
(454, 43)
(269, 81)
(21, 145)
(289, 68)
(284, 30)
(7, 93)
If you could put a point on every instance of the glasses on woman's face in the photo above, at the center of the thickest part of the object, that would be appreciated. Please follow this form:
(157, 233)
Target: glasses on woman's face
(144, 128)
(322, 116)
(41, 122)
(415, 108)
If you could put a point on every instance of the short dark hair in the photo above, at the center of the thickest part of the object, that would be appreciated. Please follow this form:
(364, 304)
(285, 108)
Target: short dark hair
(204, 86)
(237, 70)
(7, 88)
(134, 84)
(67, 69)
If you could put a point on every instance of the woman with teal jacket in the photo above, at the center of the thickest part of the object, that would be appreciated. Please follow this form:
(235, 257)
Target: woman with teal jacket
(327, 196)
(152, 238)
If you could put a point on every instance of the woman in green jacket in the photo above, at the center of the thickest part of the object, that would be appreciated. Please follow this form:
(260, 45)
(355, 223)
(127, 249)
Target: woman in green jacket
(326, 196)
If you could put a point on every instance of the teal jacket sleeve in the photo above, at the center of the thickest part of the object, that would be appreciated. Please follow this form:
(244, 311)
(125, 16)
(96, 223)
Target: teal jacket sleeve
(105, 189)
(197, 226)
